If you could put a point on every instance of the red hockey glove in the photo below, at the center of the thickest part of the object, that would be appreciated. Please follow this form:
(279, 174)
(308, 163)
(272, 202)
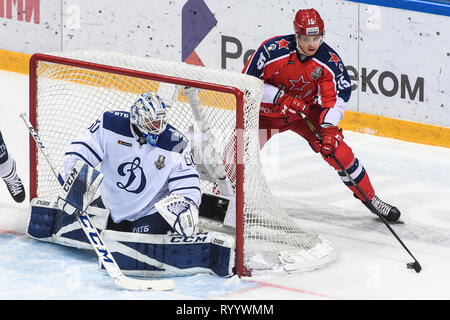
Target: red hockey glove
(288, 105)
(332, 136)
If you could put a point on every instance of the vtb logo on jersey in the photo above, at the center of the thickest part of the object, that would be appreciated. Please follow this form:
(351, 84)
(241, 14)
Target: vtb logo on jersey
(136, 178)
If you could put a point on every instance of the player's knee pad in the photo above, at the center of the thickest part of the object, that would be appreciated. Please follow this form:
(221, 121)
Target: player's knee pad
(171, 255)
(47, 222)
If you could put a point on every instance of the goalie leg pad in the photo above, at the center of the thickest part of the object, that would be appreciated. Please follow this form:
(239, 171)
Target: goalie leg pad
(47, 222)
(41, 220)
(171, 255)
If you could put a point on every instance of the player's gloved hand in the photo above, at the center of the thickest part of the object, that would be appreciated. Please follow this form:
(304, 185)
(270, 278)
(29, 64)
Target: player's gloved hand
(331, 137)
(288, 105)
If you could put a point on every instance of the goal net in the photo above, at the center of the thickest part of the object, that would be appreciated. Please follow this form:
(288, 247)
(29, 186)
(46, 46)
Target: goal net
(70, 90)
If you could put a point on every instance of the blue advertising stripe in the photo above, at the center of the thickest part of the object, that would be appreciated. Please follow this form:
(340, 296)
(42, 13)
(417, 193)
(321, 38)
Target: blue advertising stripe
(197, 21)
(441, 7)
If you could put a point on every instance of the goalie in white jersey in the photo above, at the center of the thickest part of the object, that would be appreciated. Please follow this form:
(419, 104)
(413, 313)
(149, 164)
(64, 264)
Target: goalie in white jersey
(148, 184)
(143, 160)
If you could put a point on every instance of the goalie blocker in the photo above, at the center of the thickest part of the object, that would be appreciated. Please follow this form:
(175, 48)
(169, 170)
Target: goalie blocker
(135, 253)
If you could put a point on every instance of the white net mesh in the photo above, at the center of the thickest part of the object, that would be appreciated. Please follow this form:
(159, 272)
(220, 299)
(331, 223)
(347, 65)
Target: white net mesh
(71, 98)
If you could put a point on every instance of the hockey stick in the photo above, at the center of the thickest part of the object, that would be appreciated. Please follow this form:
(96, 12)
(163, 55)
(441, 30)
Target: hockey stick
(96, 241)
(412, 265)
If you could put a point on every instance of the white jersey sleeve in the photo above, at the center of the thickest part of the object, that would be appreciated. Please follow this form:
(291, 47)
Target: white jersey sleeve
(88, 147)
(184, 179)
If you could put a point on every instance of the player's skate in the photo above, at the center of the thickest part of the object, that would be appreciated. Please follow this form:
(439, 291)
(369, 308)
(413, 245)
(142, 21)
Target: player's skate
(390, 213)
(15, 187)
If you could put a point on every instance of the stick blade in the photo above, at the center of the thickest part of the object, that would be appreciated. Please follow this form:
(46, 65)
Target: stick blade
(143, 285)
(414, 265)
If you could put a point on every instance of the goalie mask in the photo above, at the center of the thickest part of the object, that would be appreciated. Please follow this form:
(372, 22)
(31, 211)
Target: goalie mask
(148, 114)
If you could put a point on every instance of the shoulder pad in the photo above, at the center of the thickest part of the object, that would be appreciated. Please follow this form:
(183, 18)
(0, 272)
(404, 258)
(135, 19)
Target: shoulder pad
(117, 122)
(330, 58)
(279, 46)
(172, 140)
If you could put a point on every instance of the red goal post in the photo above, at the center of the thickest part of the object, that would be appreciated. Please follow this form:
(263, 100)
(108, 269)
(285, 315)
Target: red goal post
(70, 90)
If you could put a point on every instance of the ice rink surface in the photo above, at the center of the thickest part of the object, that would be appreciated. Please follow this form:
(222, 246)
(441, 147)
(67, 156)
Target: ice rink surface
(371, 263)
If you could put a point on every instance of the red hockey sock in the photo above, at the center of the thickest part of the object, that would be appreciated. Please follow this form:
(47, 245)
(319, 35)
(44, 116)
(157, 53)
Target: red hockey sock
(359, 175)
(354, 168)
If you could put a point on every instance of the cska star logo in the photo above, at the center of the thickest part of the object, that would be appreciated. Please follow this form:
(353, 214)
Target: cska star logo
(334, 58)
(297, 85)
(282, 44)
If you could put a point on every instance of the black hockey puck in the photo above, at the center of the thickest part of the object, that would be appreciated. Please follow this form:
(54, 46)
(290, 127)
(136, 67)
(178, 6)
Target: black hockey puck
(414, 265)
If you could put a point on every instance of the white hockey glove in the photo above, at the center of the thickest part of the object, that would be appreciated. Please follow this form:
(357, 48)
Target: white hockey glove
(181, 214)
(79, 188)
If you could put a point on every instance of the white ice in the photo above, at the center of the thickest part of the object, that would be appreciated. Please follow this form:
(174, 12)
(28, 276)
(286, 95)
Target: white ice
(371, 263)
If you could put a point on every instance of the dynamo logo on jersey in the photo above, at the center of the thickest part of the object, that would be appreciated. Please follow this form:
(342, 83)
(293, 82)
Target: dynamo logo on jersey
(196, 22)
(133, 171)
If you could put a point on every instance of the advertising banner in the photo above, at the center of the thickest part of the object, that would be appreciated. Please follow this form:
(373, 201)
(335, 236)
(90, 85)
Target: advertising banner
(398, 60)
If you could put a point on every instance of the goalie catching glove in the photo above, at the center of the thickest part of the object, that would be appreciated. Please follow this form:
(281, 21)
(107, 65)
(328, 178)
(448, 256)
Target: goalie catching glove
(79, 188)
(180, 213)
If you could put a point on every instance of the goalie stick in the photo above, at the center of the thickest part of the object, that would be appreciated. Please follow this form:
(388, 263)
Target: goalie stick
(96, 241)
(412, 265)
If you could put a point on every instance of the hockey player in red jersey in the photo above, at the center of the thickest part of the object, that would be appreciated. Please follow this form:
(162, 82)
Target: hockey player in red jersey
(303, 74)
